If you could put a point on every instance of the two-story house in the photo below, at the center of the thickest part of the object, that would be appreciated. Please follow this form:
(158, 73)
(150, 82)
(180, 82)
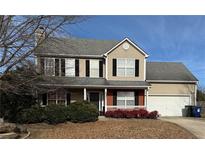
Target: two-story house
(113, 75)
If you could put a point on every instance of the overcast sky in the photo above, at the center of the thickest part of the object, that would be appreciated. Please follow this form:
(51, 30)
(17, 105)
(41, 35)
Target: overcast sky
(164, 38)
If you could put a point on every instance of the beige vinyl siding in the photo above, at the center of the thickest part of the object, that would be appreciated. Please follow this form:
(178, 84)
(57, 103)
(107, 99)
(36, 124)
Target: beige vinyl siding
(173, 89)
(81, 67)
(132, 52)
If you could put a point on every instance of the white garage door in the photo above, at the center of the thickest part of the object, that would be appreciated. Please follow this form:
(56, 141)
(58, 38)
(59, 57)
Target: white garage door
(168, 105)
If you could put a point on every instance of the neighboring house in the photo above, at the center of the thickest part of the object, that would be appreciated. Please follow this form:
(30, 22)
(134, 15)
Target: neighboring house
(113, 75)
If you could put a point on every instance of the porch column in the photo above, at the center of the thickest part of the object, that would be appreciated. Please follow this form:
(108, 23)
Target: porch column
(146, 91)
(84, 94)
(105, 93)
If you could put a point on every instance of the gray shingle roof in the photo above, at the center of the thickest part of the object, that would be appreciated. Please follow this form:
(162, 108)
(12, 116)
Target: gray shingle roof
(90, 82)
(75, 47)
(168, 71)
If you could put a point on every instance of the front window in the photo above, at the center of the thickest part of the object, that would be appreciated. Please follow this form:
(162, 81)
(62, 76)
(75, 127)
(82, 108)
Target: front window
(58, 97)
(125, 67)
(94, 68)
(49, 66)
(69, 67)
(125, 99)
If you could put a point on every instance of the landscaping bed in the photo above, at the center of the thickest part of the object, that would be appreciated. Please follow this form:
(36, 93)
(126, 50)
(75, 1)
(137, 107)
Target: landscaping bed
(110, 129)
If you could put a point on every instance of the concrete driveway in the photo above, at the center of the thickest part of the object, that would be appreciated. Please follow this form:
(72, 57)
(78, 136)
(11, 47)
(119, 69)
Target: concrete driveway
(194, 125)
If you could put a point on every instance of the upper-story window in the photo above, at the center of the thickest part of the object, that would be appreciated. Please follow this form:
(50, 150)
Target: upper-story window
(69, 67)
(49, 66)
(125, 67)
(94, 68)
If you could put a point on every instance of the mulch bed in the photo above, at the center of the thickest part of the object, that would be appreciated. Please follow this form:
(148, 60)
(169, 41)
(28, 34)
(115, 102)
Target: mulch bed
(111, 129)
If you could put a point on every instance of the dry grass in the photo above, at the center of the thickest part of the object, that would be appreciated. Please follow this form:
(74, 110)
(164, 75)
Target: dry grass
(110, 129)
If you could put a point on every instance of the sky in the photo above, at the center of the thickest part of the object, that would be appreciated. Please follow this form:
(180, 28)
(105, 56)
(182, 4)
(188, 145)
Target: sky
(164, 38)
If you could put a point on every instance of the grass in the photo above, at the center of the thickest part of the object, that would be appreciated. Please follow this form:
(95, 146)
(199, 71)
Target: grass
(110, 129)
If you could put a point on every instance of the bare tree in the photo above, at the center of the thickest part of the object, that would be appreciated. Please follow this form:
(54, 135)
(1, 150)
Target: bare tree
(18, 38)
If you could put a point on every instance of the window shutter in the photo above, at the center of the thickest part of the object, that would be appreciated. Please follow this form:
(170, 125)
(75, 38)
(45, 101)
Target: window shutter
(44, 99)
(136, 98)
(42, 65)
(77, 67)
(114, 98)
(57, 67)
(62, 67)
(136, 67)
(87, 68)
(101, 68)
(68, 98)
(114, 67)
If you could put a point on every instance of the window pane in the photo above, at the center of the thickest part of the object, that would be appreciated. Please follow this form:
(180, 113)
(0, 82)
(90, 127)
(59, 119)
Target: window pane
(120, 72)
(120, 102)
(120, 62)
(94, 64)
(130, 102)
(130, 72)
(70, 67)
(61, 95)
(94, 68)
(49, 66)
(130, 63)
(51, 95)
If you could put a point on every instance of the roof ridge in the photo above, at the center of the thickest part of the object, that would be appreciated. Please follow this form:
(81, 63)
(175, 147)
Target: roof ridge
(81, 39)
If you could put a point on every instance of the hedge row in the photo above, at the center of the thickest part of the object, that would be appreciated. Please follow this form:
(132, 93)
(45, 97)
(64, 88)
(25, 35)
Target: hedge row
(75, 112)
(138, 113)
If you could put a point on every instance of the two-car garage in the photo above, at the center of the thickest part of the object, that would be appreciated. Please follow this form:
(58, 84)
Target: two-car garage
(168, 105)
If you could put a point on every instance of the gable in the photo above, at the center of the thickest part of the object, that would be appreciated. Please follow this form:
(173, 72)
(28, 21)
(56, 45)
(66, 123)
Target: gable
(125, 45)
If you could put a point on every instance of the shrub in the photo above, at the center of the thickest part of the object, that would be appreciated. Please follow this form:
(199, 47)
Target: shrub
(118, 114)
(35, 114)
(51, 114)
(143, 113)
(56, 114)
(139, 113)
(83, 112)
(109, 114)
(153, 115)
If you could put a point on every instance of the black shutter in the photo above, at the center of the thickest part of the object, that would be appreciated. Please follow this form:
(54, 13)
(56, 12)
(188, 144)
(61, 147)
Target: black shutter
(44, 99)
(77, 67)
(136, 67)
(136, 98)
(87, 68)
(62, 67)
(114, 67)
(68, 98)
(42, 65)
(101, 68)
(57, 67)
(114, 98)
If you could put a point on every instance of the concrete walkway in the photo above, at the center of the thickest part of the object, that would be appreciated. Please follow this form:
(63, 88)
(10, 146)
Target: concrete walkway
(194, 125)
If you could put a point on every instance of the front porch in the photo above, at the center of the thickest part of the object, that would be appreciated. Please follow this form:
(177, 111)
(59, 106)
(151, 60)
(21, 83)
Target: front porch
(105, 99)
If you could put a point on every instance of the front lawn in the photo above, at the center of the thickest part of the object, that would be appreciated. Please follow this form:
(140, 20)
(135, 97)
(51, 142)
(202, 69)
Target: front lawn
(110, 129)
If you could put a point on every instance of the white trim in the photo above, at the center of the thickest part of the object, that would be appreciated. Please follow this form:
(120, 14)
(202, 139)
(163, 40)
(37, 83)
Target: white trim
(99, 86)
(126, 39)
(195, 95)
(59, 55)
(105, 99)
(106, 68)
(84, 94)
(145, 65)
(169, 95)
(171, 81)
(122, 107)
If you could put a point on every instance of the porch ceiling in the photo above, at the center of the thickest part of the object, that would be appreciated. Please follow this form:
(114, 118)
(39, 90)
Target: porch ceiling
(90, 82)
